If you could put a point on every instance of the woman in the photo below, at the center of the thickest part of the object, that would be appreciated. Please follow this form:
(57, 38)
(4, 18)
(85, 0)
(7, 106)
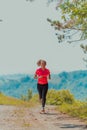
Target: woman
(42, 74)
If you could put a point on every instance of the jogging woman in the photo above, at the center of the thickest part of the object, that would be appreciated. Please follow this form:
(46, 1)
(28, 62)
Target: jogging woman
(42, 74)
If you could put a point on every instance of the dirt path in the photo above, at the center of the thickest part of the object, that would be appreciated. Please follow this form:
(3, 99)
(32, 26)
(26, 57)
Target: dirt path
(20, 118)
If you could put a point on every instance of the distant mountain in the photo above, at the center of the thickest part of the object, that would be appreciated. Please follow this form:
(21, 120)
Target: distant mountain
(18, 84)
(75, 81)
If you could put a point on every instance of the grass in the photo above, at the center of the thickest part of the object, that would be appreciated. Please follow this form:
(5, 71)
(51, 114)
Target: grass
(26, 125)
(5, 100)
(77, 109)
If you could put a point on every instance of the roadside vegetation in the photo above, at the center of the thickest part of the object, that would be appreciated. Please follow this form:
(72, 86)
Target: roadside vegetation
(62, 99)
(66, 103)
(6, 100)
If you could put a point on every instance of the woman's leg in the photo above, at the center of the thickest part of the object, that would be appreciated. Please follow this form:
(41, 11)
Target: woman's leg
(39, 88)
(44, 93)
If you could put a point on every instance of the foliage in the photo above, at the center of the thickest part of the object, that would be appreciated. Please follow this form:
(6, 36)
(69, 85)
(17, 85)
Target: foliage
(74, 20)
(35, 99)
(65, 103)
(77, 109)
(84, 47)
(23, 97)
(28, 96)
(73, 17)
(55, 97)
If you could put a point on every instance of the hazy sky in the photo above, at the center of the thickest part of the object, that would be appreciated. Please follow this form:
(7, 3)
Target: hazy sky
(26, 36)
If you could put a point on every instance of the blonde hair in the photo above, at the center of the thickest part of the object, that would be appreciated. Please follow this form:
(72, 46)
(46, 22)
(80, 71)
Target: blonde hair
(39, 62)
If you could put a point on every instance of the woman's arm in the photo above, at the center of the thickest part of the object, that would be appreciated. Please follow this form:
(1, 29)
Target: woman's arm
(49, 76)
(35, 76)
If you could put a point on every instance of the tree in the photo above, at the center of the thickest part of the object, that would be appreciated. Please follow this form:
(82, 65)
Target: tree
(74, 20)
(28, 96)
(23, 97)
(73, 17)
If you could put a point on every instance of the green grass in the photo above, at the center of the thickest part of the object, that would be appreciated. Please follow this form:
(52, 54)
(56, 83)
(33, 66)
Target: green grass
(5, 100)
(77, 109)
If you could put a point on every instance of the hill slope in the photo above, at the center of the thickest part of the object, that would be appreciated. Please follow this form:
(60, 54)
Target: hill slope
(6, 100)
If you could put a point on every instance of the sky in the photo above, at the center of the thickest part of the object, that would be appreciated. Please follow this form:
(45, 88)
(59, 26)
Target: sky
(26, 37)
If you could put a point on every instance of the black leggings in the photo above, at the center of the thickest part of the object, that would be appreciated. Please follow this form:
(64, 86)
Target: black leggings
(42, 90)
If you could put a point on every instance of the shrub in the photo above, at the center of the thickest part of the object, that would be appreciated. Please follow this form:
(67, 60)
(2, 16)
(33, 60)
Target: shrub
(28, 96)
(55, 97)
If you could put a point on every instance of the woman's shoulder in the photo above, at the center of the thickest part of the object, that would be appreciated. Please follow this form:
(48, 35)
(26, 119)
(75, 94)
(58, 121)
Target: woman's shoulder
(47, 70)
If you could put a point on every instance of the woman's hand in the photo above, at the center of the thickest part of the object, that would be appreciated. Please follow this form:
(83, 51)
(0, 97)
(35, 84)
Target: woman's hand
(49, 77)
(40, 76)
(35, 76)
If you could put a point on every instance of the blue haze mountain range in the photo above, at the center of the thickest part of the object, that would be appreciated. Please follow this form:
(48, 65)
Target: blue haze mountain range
(16, 85)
